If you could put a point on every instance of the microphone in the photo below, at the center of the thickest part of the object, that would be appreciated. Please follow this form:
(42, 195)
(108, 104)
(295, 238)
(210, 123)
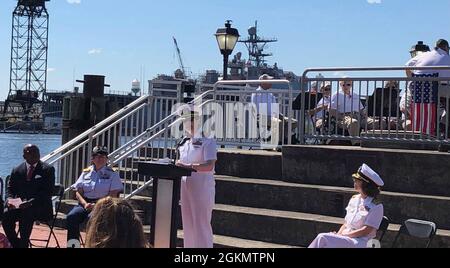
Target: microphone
(182, 142)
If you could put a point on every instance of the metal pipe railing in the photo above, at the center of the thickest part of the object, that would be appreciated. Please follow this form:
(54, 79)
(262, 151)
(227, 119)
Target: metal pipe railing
(428, 93)
(365, 69)
(100, 125)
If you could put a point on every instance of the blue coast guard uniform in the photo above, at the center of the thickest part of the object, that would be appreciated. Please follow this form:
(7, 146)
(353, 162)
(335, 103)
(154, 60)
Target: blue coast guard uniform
(93, 185)
(360, 212)
(98, 184)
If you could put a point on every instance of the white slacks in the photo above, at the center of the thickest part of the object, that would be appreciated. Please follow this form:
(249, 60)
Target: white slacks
(197, 203)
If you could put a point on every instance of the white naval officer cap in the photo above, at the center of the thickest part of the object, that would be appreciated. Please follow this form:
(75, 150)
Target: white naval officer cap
(265, 77)
(187, 111)
(365, 173)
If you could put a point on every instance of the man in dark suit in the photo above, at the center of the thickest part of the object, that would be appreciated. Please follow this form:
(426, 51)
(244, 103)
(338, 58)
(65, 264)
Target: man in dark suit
(33, 183)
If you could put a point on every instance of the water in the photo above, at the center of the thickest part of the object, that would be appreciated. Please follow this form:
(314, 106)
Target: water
(11, 146)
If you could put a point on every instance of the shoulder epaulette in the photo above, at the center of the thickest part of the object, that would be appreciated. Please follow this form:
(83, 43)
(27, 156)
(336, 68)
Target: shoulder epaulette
(89, 169)
(108, 168)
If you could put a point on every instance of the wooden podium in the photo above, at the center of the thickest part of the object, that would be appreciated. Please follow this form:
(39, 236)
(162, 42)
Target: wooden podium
(165, 201)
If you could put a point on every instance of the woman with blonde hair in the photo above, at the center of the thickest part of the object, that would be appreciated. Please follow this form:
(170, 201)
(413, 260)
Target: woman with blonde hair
(114, 224)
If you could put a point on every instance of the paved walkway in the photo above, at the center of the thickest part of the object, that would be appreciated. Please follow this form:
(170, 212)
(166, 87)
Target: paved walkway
(41, 232)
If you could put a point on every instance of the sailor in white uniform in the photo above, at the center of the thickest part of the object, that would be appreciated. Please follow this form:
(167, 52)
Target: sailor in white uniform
(198, 190)
(364, 215)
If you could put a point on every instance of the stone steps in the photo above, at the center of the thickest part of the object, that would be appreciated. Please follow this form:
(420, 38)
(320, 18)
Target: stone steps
(294, 228)
(405, 171)
(326, 200)
(277, 227)
(275, 200)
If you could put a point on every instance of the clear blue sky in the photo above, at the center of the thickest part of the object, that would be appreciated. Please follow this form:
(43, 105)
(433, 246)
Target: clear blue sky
(311, 33)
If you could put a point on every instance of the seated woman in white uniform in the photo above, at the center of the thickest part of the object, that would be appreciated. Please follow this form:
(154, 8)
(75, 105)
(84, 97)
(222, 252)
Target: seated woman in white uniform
(198, 190)
(364, 215)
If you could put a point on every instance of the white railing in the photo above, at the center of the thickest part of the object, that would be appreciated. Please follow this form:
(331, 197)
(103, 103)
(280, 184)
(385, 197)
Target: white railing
(155, 143)
(115, 131)
(142, 131)
(236, 118)
(390, 106)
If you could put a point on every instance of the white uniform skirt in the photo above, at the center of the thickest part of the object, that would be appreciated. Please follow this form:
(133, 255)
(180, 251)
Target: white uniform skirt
(331, 240)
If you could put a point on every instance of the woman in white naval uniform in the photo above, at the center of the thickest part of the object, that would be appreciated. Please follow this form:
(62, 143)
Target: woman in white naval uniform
(198, 190)
(363, 218)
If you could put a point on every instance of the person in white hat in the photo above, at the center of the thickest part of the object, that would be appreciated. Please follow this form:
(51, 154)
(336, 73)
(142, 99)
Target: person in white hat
(272, 123)
(267, 109)
(415, 106)
(266, 103)
(364, 216)
(197, 191)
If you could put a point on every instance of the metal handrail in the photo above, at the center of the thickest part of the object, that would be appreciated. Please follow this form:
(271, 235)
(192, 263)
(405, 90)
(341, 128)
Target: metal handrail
(146, 141)
(141, 140)
(146, 136)
(234, 82)
(151, 129)
(363, 69)
(98, 134)
(124, 111)
(304, 86)
(273, 82)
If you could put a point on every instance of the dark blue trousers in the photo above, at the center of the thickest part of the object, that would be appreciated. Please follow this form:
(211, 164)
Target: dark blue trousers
(76, 217)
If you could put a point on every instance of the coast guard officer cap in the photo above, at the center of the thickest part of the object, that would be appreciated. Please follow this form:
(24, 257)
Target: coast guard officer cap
(365, 173)
(100, 150)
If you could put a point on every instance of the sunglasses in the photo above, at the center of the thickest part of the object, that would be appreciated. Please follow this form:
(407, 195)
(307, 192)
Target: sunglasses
(348, 85)
(100, 149)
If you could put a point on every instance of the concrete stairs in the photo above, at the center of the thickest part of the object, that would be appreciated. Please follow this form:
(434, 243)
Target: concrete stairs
(274, 200)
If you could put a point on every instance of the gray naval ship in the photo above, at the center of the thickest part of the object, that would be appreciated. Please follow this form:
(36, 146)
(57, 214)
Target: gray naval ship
(183, 85)
(256, 64)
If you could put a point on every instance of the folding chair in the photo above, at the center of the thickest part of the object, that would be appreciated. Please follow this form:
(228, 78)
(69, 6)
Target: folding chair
(6, 186)
(58, 193)
(383, 227)
(419, 229)
(2, 204)
(4, 195)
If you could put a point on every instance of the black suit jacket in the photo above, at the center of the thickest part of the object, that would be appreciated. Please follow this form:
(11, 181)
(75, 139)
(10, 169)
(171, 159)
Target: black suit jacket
(40, 188)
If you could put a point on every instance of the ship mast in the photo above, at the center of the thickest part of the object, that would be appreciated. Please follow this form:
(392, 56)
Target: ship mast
(256, 45)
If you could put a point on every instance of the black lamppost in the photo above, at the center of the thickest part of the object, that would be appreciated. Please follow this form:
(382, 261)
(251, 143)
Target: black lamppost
(227, 38)
(419, 48)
